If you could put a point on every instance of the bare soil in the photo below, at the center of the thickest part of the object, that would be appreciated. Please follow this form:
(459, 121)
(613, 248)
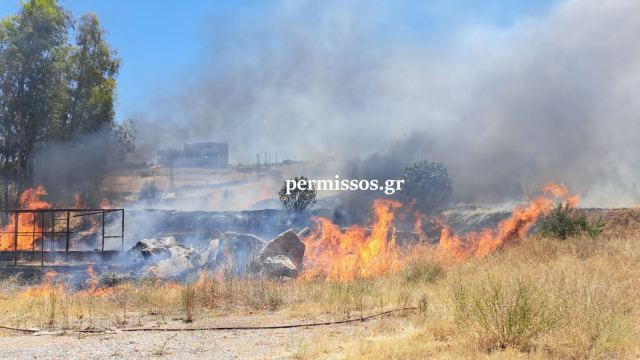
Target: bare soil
(238, 344)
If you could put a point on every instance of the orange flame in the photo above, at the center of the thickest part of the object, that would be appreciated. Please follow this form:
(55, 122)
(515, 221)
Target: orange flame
(355, 253)
(30, 199)
(94, 222)
(46, 287)
(93, 282)
(485, 242)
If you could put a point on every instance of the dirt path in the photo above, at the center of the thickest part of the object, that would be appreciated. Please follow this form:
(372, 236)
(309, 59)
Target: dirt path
(271, 344)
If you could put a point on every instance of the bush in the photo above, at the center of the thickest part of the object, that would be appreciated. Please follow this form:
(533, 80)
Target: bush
(428, 184)
(188, 300)
(265, 295)
(422, 271)
(504, 314)
(297, 200)
(563, 222)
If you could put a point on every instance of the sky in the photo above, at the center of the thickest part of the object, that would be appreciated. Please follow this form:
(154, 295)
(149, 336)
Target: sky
(158, 41)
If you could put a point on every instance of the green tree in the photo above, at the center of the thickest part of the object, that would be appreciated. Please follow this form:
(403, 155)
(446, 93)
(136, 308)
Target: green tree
(52, 91)
(93, 67)
(33, 48)
(428, 184)
(297, 200)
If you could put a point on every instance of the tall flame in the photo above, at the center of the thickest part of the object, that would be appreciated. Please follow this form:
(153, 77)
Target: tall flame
(338, 255)
(485, 242)
(30, 199)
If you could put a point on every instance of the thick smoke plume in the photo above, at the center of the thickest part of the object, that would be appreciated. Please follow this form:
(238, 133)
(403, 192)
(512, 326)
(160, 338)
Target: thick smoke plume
(506, 108)
(74, 167)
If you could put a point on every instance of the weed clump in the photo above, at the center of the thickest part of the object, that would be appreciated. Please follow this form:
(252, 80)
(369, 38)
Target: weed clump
(188, 299)
(504, 314)
(563, 222)
(422, 272)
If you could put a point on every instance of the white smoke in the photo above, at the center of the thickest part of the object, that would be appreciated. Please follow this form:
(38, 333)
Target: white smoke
(506, 108)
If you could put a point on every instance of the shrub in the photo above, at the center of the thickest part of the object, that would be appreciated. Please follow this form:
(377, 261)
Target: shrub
(188, 299)
(428, 184)
(504, 314)
(563, 222)
(264, 295)
(297, 200)
(421, 271)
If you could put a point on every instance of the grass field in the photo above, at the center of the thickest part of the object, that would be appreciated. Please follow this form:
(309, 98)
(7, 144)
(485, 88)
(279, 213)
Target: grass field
(538, 298)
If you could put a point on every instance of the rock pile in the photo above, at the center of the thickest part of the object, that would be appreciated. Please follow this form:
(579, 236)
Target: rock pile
(233, 253)
(164, 257)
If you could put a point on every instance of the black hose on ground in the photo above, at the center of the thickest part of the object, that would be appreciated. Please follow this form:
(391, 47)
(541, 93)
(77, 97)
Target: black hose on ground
(227, 328)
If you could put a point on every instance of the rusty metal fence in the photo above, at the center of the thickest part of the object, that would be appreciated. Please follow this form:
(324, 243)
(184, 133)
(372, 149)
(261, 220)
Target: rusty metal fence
(48, 230)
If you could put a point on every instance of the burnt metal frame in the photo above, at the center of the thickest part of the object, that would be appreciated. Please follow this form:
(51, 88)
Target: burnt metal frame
(83, 212)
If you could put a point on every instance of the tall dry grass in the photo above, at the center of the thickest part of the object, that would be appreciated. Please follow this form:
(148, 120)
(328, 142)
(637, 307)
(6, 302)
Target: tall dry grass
(539, 298)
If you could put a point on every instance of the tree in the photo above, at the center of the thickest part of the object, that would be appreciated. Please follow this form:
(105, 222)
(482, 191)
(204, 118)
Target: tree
(93, 67)
(54, 92)
(297, 200)
(33, 47)
(428, 184)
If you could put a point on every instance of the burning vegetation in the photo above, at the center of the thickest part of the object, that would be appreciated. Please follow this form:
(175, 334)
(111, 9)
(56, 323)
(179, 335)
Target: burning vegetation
(335, 272)
(542, 279)
(30, 199)
(486, 241)
(335, 254)
(338, 255)
(27, 228)
(330, 252)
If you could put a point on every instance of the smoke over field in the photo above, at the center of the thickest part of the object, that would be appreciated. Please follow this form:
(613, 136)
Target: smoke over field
(508, 141)
(505, 108)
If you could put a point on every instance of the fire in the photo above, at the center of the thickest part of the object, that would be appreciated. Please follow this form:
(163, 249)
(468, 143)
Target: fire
(93, 282)
(30, 199)
(29, 226)
(417, 227)
(485, 242)
(46, 287)
(77, 200)
(89, 225)
(105, 204)
(338, 255)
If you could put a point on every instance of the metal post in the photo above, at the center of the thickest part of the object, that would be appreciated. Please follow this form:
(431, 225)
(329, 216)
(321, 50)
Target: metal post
(122, 231)
(103, 231)
(53, 231)
(33, 238)
(42, 241)
(15, 239)
(68, 218)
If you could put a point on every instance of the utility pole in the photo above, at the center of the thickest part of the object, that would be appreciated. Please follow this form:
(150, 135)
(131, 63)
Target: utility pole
(172, 184)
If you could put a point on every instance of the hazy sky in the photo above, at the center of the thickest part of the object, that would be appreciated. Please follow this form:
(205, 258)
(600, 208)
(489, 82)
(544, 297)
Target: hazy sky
(159, 40)
(508, 95)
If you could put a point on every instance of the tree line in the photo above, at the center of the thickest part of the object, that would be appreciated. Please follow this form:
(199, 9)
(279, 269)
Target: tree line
(57, 84)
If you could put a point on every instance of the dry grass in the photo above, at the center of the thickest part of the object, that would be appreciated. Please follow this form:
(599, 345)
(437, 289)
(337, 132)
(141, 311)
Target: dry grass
(539, 298)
